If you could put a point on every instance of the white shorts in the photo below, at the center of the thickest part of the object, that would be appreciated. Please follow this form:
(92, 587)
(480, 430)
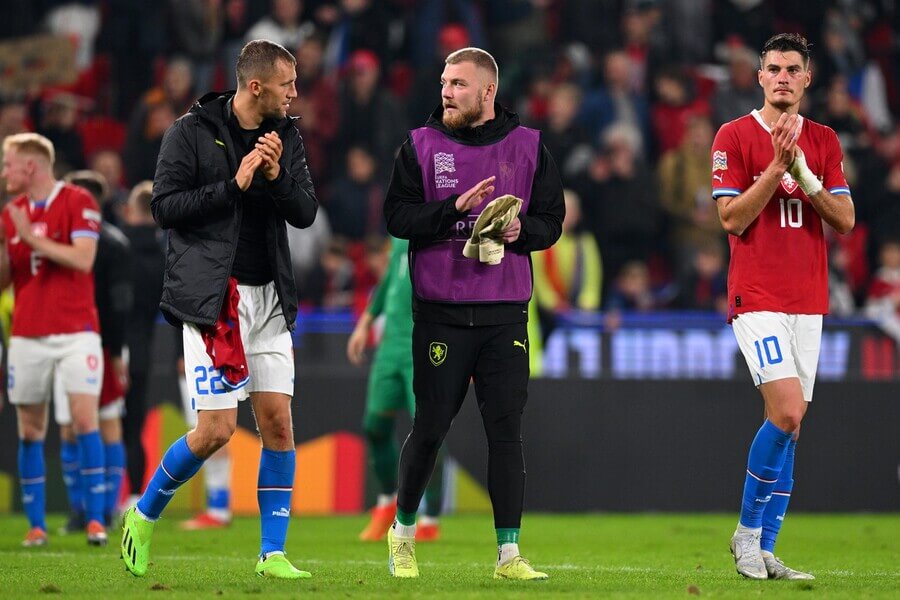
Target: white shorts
(778, 346)
(62, 411)
(267, 347)
(77, 357)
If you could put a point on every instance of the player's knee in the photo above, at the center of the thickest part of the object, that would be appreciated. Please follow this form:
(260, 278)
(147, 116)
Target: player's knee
(212, 436)
(789, 421)
(282, 437)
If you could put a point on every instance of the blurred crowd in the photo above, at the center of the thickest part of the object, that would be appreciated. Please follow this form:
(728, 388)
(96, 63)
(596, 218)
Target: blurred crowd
(628, 94)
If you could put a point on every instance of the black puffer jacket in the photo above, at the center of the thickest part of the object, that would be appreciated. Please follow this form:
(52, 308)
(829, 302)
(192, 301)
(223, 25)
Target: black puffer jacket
(196, 198)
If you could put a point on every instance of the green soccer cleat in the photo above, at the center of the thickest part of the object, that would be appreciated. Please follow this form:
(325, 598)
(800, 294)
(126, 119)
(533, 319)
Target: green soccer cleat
(136, 536)
(277, 566)
(402, 555)
(519, 569)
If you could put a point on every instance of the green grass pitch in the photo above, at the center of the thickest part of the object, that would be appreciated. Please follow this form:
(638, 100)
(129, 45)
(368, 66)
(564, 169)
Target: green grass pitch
(587, 556)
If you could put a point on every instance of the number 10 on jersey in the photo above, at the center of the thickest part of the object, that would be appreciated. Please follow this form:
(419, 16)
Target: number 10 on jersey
(791, 212)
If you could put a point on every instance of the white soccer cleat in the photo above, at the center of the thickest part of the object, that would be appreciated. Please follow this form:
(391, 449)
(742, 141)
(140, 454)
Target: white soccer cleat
(778, 570)
(748, 558)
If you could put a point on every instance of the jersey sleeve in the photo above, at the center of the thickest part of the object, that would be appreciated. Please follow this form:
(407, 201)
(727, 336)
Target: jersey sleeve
(729, 175)
(833, 177)
(85, 215)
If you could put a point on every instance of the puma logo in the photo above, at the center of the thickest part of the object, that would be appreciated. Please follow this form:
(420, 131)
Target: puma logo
(517, 343)
(718, 178)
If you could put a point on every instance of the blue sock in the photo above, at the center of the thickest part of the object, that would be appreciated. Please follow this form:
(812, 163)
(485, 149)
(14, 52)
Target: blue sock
(115, 468)
(276, 482)
(93, 475)
(218, 499)
(763, 466)
(31, 478)
(773, 516)
(177, 466)
(71, 468)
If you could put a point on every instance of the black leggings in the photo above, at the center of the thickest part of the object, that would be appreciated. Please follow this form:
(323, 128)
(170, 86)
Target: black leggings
(445, 357)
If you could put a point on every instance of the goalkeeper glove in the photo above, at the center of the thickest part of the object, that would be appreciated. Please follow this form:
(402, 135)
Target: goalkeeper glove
(808, 182)
(485, 242)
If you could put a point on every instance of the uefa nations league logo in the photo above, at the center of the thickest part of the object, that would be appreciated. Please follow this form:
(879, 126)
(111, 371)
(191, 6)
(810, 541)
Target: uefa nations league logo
(444, 163)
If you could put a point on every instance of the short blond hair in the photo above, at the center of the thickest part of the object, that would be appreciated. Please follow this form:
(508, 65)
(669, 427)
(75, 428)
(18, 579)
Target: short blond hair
(30, 143)
(480, 58)
(141, 195)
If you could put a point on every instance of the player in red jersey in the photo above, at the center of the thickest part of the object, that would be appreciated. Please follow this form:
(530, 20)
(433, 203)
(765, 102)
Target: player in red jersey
(49, 234)
(776, 177)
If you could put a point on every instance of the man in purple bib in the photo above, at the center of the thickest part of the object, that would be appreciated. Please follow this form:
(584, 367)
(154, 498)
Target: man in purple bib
(470, 316)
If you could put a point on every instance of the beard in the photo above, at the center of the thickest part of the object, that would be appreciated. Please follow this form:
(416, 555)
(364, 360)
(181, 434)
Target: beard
(464, 118)
(270, 106)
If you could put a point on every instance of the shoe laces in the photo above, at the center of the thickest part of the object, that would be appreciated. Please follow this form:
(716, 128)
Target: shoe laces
(404, 555)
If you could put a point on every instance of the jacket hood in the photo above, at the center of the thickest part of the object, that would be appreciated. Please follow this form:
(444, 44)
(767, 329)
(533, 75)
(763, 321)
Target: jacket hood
(494, 130)
(216, 107)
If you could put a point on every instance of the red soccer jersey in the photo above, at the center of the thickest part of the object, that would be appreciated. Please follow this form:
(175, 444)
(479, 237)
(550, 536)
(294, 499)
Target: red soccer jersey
(52, 299)
(780, 262)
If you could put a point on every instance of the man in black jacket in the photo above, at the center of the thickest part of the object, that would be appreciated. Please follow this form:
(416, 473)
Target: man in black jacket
(147, 272)
(231, 173)
(470, 317)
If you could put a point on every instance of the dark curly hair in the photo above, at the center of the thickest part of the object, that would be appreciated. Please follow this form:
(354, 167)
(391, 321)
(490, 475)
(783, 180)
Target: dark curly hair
(786, 42)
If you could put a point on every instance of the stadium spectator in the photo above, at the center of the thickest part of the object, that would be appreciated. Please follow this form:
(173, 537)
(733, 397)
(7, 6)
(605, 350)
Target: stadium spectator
(57, 122)
(703, 286)
(109, 164)
(283, 25)
(227, 239)
(358, 25)
(569, 274)
(564, 136)
(739, 94)
(197, 27)
(676, 102)
(357, 197)
(317, 103)
(763, 203)
(470, 318)
(370, 114)
(684, 192)
(142, 147)
(45, 255)
(621, 203)
(616, 101)
(883, 298)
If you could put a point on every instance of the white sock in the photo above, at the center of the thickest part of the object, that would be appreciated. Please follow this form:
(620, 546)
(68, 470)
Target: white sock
(272, 553)
(426, 520)
(222, 514)
(507, 552)
(386, 500)
(767, 554)
(754, 530)
(217, 471)
(404, 531)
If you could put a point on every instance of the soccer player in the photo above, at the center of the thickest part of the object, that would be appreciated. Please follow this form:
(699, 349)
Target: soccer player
(231, 173)
(391, 389)
(470, 317)
(776, 177)
(113, 296)
(50, 232)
